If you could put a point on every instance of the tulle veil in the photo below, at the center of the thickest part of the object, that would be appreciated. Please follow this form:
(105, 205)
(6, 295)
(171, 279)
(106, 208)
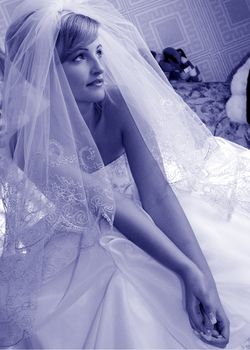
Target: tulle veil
(53, 180)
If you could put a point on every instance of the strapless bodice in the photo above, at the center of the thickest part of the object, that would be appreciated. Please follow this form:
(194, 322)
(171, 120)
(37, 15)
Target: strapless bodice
(121, 178)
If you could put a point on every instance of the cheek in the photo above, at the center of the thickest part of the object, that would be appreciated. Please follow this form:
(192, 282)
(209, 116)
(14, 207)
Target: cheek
(77, 79)
(77, 82)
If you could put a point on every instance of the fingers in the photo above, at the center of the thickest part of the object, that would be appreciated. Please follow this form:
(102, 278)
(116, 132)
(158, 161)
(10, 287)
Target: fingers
(212, 318)
(219, 320)
(220, 342)
(209, 315)
(208, 325)
(223, 329)
(209, 310)
(211, 335)
(219, 334)
(223, 325)
(195, 315)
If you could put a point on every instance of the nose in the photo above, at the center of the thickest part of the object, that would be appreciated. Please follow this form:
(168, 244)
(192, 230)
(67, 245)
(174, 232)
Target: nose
(97, 67)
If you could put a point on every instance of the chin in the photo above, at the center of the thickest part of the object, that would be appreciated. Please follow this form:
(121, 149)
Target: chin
(98, 96)
(95, 96)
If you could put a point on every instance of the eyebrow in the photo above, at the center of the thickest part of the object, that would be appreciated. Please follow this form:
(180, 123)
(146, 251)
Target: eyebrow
(79, 47)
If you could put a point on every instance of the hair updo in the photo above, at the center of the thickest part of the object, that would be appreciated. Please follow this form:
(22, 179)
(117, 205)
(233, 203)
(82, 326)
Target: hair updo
(74, 29)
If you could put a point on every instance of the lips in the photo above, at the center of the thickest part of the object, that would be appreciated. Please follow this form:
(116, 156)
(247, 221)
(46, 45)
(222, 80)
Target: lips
(96, 82)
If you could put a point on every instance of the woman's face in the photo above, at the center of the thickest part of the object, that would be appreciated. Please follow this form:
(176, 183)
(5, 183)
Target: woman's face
(84, 71)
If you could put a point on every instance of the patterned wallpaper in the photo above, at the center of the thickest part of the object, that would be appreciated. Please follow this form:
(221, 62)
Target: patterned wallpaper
(215, 34)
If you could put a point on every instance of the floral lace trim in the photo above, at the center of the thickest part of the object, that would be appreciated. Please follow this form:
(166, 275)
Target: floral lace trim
(246, 345)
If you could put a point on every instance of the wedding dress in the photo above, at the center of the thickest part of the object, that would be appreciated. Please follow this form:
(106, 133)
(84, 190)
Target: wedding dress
(68, 278)
(120, 297)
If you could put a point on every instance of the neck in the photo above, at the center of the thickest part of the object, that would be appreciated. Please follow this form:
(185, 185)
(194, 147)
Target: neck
(88, 112)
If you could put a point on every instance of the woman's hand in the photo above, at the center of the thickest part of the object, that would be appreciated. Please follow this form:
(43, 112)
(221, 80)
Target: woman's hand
(201, 294)
(204, 308)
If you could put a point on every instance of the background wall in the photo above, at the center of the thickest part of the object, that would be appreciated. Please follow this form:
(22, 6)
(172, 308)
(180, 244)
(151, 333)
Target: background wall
(215, 34)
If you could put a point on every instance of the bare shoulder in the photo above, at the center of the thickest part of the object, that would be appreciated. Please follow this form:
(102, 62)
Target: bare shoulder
(116, 111)
(134, 132)
(119, 116)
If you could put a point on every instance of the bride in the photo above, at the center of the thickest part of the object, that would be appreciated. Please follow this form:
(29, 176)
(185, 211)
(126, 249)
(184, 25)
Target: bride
(110, 186)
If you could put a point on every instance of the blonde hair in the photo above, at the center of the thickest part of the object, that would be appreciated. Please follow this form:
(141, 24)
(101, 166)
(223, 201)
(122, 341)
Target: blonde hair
(75, 29)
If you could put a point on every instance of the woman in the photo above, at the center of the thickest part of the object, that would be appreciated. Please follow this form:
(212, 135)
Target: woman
(80, 156)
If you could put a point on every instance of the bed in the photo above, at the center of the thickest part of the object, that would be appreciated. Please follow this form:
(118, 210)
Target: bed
(208, 101)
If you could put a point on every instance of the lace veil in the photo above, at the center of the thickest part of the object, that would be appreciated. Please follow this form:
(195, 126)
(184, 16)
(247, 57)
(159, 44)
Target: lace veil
(54, 183)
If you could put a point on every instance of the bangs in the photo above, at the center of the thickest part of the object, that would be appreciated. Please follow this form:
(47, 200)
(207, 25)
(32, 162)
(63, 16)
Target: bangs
(75, 29)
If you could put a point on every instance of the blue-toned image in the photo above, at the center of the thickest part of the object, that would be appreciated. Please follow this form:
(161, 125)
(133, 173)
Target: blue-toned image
(124, 175)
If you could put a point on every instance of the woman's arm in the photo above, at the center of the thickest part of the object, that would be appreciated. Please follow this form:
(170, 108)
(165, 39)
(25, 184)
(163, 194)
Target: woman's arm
(137, 226)
(169, 216)
(159, 200)
(157, 196)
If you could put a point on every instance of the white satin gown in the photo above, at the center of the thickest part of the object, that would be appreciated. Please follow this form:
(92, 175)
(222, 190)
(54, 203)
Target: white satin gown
(120, 297)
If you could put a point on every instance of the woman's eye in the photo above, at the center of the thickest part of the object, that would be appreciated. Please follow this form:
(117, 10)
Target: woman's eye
(79, 58)
(99, 53)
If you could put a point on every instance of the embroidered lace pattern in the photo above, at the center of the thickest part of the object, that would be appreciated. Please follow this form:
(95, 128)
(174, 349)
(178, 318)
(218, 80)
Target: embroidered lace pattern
(45, 230)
